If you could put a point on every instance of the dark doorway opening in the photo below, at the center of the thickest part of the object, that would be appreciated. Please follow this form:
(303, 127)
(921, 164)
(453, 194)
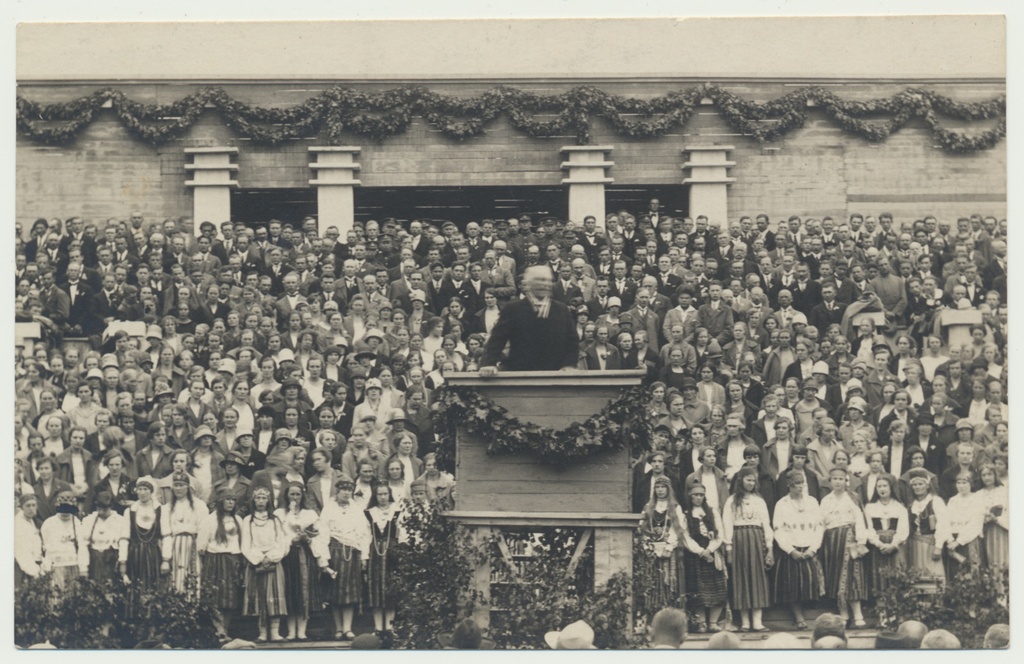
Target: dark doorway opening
(256, 207)
(460, 204)
(674, 199)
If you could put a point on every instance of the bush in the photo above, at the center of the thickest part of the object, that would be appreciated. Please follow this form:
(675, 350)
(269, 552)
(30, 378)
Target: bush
(966, 606)
(433, 576)
(89, 616)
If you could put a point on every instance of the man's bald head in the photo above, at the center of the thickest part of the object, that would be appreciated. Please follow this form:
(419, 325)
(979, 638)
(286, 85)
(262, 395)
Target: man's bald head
(940, 639)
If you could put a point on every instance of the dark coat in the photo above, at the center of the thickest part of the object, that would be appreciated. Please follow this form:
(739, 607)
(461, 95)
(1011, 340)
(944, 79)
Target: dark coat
(535, 344)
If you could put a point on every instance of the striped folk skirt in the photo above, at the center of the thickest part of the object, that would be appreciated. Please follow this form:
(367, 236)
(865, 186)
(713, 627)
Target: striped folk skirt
(102, 565)
(879, 563)
(798, 580)
(143, 568)
(844, 574)
(184, 561)
(301, 581)
(997, 545)
(264, 593)
(749, 578)
(666, 582)
(972, 553)
(378, 577)
(347, 588)
(919, 556)
(223, 576)
(706, 585)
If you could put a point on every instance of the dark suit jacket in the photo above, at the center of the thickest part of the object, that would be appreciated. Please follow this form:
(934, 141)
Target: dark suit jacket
(612, 362)
(519, 326)
(820, 317)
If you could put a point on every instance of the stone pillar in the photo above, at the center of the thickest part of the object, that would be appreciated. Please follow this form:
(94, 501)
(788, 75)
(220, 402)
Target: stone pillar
(613, 553)
(211, 183)
(587, 178)
(335, 183)
(706, 172)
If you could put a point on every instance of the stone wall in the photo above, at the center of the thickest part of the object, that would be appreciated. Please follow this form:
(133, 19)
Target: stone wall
(816, 170)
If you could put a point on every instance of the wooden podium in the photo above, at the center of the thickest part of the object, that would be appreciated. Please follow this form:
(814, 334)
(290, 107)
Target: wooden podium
(957, 323)
(518, 491)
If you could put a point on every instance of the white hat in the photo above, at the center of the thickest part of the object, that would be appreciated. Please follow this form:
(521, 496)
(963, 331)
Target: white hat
(614, 302)
(820, 367)
(858, 403)
(577, 636)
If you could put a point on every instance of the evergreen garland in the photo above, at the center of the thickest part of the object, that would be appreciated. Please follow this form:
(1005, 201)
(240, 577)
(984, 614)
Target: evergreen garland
(622, 423)
(340, 111)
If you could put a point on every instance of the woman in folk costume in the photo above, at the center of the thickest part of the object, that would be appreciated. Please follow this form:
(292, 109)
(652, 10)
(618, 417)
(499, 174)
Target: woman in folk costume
(28, 544)
(966, 515)
(842, 548)
(661, 525)
(345, 527)
(265, 541)
(888, 525)
(179, 527)
(748, 545)
(383, 516)
(302, 565)
(995, 503)
(929, 527)
(798, 532)
(64, 553)
(220, 545)
(101, 532)
(139, 552)
(704, 563)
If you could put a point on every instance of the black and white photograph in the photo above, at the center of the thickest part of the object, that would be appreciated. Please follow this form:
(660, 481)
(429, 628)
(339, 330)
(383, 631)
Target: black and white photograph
(511, 333)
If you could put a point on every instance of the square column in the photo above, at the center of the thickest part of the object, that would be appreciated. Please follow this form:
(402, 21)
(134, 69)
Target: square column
(335, 183)
(586, 180)
(211, 183)
(707, 175)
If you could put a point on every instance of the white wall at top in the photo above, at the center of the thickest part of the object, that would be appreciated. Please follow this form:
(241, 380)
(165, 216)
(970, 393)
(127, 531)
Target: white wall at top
(807, 47)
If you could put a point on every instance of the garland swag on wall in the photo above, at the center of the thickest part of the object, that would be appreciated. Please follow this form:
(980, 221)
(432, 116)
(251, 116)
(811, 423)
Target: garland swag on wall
(379, 115)
(619, 424)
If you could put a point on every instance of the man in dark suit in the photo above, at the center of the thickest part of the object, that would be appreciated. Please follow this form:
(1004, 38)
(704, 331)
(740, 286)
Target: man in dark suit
(828, 311)
(806, 292)
(79, 298)
(565, 289)
(621, 286)
(524, 323)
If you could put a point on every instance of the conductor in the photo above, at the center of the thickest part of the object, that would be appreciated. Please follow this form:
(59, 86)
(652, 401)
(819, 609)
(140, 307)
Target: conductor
(539, 331)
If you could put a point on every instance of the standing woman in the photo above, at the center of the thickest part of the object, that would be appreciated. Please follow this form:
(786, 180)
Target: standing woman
(300, 565)
(966, 523)
(101, 536)
(888, 525)
(995, 504)
(798, 532)
(703, 562)
(179, 527)
(138, 556)
(345, 525)
(661, 524)
(929, 527)
(748, 546)
(28, 544)
(220, 545)
(264, 543)
(382, 515)
(64, 552)
(842, 548)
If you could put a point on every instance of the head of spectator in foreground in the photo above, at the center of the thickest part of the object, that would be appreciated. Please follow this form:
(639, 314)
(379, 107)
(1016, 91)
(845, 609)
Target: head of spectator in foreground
(894, 641)
(940, 639)
(829, 643)
(467, 636)
(724, 641)
(577, 636)
(828, 624)
(997, 637)
(913, 629)
(668, 628)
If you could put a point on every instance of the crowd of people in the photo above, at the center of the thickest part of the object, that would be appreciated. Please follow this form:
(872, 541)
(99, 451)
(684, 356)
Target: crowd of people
(812, 424)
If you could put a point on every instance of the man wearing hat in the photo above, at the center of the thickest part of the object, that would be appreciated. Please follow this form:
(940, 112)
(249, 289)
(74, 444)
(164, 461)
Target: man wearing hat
(695, 411)
(524, 324)
(577, 636)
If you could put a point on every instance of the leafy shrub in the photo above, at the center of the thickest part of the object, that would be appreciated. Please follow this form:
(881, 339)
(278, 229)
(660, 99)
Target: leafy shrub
(966, 606)
(88, 615)
(433, 577)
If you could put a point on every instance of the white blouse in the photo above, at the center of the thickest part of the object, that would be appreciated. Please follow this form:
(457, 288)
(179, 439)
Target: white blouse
(841, 510)
(753, 511)
(797, 523)
(966, 516)
(894, 510)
